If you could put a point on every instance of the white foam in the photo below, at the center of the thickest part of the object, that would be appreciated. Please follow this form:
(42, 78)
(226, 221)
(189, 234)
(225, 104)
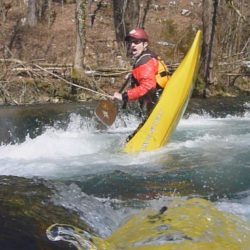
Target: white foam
(81, 147)
(237, 208)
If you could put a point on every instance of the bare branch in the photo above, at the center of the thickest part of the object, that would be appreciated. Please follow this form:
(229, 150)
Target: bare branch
(237, 11)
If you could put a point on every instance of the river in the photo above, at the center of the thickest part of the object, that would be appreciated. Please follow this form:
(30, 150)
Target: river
(208, 156)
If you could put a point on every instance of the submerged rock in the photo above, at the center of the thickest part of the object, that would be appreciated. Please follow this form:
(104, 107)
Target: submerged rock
(186, 224)
(26, 211)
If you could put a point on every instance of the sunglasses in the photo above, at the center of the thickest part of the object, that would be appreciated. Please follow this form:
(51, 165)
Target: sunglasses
(135, 41)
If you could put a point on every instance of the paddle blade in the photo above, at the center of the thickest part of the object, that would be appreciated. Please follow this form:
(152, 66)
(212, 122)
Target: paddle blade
(106, 112)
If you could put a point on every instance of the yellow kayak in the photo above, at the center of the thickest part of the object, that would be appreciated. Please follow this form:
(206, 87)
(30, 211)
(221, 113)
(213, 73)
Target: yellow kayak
(163, 120)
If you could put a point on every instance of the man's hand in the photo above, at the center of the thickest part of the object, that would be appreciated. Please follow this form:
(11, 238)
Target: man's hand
(118, 96)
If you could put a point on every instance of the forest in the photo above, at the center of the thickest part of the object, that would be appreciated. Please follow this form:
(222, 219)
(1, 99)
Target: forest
(50, 47)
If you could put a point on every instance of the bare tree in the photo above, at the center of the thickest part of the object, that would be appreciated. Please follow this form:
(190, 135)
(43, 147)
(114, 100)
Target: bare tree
(39, 11)
(93, 13)
(32, 13)
(80, 17)
(225, 43)
(128, 14)
(5, 6)
(235, 28)
(145, 11)
(209, 22)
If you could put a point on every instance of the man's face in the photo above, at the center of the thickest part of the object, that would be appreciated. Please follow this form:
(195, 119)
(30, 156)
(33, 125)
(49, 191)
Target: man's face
(137, 47)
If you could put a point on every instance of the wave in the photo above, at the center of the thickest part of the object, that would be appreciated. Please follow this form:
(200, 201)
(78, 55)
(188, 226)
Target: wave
(81, 145)
(239, 206)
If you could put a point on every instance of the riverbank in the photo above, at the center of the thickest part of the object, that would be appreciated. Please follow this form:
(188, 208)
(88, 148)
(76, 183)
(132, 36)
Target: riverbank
(27, 91)
(52, 45)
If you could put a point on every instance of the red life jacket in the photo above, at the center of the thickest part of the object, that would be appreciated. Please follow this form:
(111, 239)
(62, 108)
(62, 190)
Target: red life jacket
(143, 75)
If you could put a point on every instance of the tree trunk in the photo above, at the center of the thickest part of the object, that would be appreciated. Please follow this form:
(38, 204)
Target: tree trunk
(32, 13)
(5, 6)
(126, 17)
(80, 17)
(209, 21)
(145, 11)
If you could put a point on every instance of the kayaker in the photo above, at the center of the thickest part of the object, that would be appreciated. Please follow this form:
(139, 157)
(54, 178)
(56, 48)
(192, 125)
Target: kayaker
(145, 63)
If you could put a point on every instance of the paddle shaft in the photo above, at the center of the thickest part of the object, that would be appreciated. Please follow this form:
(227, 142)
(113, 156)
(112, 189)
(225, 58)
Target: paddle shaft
(124, 105)
(125, 84)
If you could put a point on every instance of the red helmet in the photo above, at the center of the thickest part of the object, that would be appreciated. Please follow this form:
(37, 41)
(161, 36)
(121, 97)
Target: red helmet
(138, 34)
